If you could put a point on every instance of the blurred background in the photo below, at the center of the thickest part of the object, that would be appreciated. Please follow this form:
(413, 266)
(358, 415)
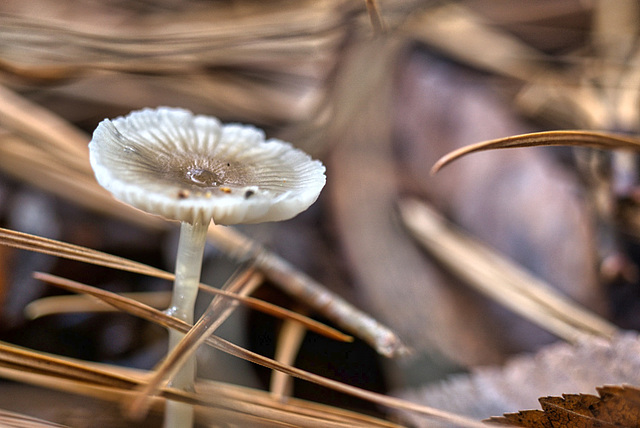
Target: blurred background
(376, 90)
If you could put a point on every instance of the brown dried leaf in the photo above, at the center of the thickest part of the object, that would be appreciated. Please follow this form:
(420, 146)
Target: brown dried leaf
(615, 406)
(553, 371)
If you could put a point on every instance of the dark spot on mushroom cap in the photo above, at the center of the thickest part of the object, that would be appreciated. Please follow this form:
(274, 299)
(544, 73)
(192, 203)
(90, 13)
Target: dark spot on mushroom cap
(248, 194)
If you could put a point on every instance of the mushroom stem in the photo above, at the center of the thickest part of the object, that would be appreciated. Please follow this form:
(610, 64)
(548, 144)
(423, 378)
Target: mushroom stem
(185, 290)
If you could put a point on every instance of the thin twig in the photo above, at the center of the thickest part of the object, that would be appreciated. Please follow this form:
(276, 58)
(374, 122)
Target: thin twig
(308, 291)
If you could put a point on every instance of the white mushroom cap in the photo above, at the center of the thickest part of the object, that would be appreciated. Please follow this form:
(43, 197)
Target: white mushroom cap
(186, 167)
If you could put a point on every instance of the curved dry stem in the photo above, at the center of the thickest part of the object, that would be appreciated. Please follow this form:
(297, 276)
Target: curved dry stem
(593, 139)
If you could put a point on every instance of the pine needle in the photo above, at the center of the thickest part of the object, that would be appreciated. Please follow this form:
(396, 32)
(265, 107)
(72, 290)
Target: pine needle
(499, 278)
(15, 420)
(217, 400)
(78, 303)
(74, 252)
(153, 315)
(216, 313)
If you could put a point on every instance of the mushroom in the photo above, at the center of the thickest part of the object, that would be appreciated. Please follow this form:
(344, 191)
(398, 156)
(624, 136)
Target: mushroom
(193, 169)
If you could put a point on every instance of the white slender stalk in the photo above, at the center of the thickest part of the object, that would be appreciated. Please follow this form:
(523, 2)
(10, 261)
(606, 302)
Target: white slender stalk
(185, 291)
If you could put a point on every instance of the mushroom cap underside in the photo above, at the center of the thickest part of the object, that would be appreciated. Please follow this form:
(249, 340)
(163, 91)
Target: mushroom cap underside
(186, 167)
